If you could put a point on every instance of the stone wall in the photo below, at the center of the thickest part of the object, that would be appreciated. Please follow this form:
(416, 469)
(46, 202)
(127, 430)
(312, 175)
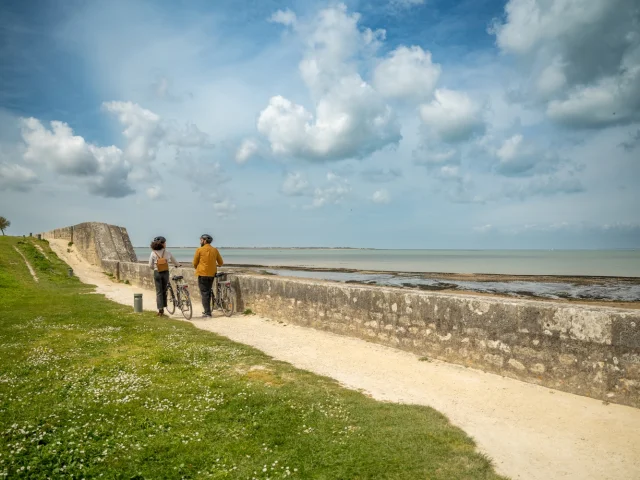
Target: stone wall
(587, 350)
(65, 233)
(97, 241)
(591, 351)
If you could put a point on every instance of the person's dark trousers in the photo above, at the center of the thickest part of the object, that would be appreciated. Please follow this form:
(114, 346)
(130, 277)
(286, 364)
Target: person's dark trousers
(162, 283)
(206, 284)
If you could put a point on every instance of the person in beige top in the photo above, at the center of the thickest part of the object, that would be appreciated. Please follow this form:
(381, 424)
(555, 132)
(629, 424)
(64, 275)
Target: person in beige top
(206, 261)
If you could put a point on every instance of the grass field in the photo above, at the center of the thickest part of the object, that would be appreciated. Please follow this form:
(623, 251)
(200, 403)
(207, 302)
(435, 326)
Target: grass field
(90, 390)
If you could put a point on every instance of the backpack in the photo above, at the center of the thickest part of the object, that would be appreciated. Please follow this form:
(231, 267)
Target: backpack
(163, 265)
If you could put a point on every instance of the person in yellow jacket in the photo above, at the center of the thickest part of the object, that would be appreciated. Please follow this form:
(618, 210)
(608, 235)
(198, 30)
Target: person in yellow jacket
(206, 262)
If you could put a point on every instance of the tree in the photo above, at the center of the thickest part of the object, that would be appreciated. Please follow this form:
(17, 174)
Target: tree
(4, 224)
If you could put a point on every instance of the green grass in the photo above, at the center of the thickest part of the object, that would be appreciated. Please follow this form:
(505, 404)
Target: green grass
(90, 390)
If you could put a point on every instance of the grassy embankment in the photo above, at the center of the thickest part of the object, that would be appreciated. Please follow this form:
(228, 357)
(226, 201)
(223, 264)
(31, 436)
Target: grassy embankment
(89, 389)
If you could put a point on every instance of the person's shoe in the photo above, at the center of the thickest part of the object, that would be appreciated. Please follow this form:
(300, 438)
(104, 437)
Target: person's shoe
(206, 315)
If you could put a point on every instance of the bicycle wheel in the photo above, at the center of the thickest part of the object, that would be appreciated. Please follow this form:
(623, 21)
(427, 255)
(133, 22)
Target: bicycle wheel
(185, 305)
(171, 300)
(214, 299)
(228, 301)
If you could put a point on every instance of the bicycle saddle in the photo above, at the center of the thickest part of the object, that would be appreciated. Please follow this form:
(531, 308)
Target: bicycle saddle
(177, 277)
(220, 274)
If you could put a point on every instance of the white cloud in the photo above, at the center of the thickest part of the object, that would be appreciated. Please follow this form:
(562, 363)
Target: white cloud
(16, 177)
(104, 168)
(610, 101)
(407, 73)
(295, 184)
(381, 197)
(530, 23)
(337, 190)
(443, 165)
(509, 149)
(518, 157)
(246, 150)
(284, 17)
(583, 57)
(351, 119)
(453, 116)
(145, 132)
(551, 79)
(189, 137)
(223, 208)
(333, 44)
(57, 148)
(203, 175)
(108, 170)
(113, 173)
(546, 185)
(154, 192)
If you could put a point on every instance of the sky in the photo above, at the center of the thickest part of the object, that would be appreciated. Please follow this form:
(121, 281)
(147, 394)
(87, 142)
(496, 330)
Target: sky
(475, 124)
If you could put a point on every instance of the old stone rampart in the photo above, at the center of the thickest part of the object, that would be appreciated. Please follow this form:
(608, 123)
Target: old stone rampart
(97, 242)
(587, 350)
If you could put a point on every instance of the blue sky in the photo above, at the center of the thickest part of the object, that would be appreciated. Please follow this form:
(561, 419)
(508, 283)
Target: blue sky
(390, 124)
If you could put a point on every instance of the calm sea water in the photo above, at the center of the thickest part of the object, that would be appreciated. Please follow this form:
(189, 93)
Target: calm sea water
(623, 263)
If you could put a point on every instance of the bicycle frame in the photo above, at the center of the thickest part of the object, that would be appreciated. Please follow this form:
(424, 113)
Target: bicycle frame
(180, 286)
(182, 296)
(220, 283)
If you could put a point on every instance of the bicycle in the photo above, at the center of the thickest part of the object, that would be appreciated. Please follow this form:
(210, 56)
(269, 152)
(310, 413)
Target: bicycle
(182, 298)
(225, 294)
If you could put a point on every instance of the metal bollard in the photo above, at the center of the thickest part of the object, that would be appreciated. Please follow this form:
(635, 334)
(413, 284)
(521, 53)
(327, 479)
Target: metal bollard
(70, 272)
(137, 302)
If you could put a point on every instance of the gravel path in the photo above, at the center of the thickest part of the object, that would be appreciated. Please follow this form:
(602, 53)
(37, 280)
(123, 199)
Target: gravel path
(530, 432)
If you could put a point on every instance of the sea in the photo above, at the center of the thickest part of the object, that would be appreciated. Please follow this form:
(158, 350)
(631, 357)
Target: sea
(615, 263)
(413, 269)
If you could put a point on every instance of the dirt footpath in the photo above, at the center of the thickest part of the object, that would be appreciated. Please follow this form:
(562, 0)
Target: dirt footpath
(530, 432)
